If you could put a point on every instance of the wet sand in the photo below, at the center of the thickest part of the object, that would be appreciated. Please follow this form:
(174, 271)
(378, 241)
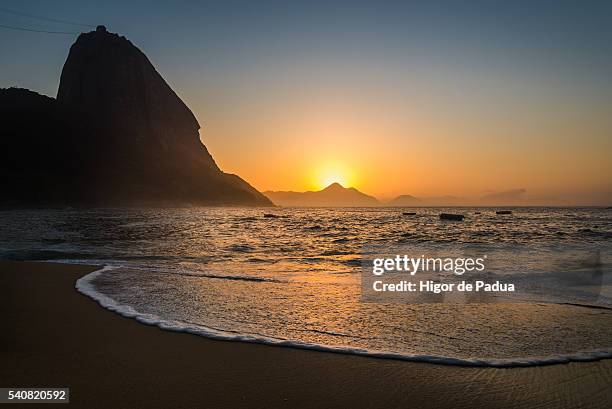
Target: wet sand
(53, 336)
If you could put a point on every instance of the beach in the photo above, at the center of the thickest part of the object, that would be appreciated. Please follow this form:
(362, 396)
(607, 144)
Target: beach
(306, 205)
(54, 336)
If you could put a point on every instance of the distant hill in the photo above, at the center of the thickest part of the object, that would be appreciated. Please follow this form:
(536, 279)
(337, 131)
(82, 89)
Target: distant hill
(404, 201)
(334, 195)
(412, 201)
(117, 134)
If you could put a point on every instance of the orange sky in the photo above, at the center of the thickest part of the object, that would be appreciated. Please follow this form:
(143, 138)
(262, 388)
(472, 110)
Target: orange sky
(464, 142)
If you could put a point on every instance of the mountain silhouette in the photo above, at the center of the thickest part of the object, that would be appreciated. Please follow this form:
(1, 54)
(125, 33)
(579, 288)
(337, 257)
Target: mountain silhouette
(117, 134)
(405, 200)
(334, 195)
(412, 201)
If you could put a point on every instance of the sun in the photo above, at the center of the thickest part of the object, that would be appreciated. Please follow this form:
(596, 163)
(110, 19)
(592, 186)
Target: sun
(332, 178)
(332, 173)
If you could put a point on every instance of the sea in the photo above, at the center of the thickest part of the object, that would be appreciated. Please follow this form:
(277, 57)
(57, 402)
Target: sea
(292, 277)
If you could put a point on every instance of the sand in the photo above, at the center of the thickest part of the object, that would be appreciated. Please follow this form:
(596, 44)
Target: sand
(53, 336)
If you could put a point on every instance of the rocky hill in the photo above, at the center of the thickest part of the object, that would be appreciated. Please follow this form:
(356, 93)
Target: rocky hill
(117, 134)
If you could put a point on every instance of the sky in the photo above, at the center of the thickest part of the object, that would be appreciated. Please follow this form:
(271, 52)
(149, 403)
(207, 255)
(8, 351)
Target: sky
(423, 98)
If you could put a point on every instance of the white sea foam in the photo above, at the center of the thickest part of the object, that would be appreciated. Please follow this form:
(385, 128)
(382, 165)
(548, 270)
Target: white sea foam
(85, 286)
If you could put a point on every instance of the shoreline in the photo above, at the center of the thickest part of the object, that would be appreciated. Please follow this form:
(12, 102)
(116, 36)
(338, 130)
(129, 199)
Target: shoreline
(84, 286)
(56, 336)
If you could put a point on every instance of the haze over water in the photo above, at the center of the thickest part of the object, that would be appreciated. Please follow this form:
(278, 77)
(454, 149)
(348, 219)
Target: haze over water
(295, 279)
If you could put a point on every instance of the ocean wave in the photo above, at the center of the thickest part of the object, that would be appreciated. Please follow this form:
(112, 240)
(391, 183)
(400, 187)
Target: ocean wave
(594, 233)
(85, 286)
(116, 265)
(208, 275)
(315, 227)
(337, 253)
(235, 278)
(353, 262)
(247, 219)
(240, 248)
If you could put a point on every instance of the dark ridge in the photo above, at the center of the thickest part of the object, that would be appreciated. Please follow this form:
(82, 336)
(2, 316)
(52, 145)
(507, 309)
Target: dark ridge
(116, 135)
